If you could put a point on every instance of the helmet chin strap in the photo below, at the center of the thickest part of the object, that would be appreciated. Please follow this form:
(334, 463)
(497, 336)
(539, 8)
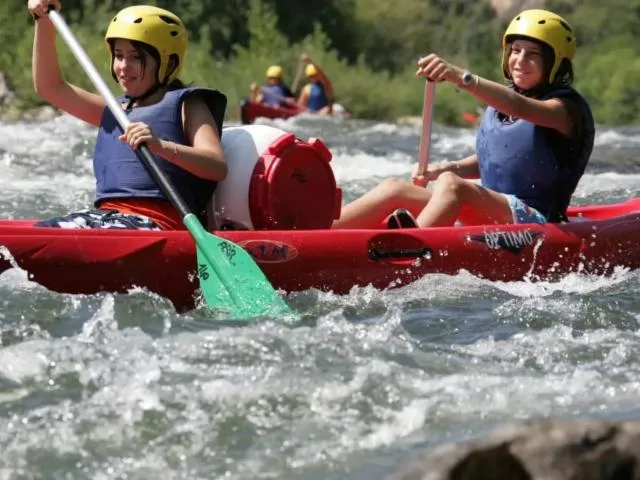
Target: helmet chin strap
(144, 96)
(535, 92)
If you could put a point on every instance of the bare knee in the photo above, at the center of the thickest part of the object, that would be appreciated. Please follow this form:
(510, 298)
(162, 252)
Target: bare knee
(393, 187)
(451, 184)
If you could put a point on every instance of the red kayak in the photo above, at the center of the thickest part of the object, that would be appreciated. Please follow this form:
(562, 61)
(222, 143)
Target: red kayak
(249, 111)
(597, 239)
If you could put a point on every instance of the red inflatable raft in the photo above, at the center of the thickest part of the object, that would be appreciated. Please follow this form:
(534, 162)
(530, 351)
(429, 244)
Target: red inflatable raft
(249, 111)
(281, 193)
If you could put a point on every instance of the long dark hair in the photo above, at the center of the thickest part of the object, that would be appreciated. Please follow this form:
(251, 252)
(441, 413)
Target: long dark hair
(141, 47)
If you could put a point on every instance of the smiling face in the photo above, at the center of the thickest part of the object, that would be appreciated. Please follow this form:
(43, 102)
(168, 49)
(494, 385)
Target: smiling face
(135, 69)
(526, 64)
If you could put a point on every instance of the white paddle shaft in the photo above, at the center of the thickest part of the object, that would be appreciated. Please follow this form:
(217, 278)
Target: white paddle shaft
(427, 119)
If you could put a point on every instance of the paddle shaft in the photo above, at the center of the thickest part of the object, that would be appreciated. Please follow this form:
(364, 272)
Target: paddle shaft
(427, 120)
(296, 80)
(143, 152)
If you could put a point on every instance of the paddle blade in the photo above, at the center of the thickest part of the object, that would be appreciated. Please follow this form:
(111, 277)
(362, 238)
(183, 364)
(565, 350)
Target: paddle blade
(231, 280)
(213, 290)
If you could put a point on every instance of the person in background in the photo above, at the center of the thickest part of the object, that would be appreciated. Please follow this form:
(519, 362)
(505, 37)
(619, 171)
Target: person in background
(275, 92)
(533, 145)
(180, 125)
(317, 95)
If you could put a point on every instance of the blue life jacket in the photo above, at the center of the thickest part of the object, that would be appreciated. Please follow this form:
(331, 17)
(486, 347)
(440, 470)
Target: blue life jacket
(274, 94)
(120, 174)
(538, 165)
(317, 97)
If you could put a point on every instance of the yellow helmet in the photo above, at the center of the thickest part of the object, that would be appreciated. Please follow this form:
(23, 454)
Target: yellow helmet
(156, 27)
(546, 27)
(274, 71)
(310, 70)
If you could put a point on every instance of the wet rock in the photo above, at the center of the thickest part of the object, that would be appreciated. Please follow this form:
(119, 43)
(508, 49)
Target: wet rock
(11, 111)
(12, 114)
(40, 114)
(6, 95)
(409, 121)
(537, 450)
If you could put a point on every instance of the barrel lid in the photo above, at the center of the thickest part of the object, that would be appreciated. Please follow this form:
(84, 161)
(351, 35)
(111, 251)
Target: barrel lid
(293, 186)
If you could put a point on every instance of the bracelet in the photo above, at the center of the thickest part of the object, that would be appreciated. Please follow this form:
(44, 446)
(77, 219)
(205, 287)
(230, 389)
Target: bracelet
(175, 150)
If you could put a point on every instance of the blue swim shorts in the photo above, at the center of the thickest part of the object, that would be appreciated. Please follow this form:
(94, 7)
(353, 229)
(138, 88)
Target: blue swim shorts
(98, 218)
(522, 213)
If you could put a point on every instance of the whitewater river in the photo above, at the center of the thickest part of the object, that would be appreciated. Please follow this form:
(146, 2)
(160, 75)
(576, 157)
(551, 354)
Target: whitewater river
(120, 386)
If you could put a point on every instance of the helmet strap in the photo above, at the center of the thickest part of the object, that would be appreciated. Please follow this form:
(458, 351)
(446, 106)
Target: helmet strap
(144, 96)
(537, 92)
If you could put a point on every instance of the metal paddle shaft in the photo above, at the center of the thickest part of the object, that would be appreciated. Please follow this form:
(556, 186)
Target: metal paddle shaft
(229, 278)
(296, 80)
(427, 120)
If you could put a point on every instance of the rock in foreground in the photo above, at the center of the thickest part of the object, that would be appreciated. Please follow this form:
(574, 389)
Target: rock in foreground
(537, 450)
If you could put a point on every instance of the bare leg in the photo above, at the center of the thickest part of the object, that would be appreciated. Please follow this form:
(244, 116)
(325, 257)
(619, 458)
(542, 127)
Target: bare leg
(455, 197)
(370, 210)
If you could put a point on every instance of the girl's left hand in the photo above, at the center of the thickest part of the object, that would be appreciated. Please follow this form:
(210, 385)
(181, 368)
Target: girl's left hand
(138, 133)
(436, 69)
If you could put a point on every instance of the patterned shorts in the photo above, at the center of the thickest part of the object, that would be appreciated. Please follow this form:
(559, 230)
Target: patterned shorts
(100, 219)
(522, 213)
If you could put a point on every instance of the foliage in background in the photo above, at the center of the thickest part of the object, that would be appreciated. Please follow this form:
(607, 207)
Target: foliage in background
(367, 48)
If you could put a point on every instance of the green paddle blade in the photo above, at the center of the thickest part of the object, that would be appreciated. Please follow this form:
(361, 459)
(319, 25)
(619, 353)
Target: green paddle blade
(213, 290)
(231, 280)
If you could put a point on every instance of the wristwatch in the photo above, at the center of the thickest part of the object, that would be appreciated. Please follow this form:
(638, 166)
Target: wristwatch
(467, 78)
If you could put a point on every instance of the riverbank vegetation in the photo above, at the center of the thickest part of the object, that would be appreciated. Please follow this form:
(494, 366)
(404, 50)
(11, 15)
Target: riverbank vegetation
(367, 48)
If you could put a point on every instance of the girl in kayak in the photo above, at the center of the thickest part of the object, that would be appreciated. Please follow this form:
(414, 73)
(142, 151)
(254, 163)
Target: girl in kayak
(180, 125)
(316, 95)
(275, 92)
(532, 147)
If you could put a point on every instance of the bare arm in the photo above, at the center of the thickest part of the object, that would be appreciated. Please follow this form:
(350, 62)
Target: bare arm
(256, 94)
(203, 156)
(303, 99)
(51, 86)
(465, 168)
(551, 113)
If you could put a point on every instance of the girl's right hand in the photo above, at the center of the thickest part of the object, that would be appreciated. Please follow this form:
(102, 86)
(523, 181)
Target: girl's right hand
(421, 179)
(40, 8)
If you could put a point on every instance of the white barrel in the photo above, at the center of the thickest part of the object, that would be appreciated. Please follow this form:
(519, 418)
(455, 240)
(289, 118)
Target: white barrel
(275, 181)
(242, 147)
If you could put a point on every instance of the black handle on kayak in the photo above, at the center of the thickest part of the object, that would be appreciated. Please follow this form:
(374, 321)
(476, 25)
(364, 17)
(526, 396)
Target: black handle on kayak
(376, 254)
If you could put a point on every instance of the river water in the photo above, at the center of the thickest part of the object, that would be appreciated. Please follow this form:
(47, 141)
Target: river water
(120, 386)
